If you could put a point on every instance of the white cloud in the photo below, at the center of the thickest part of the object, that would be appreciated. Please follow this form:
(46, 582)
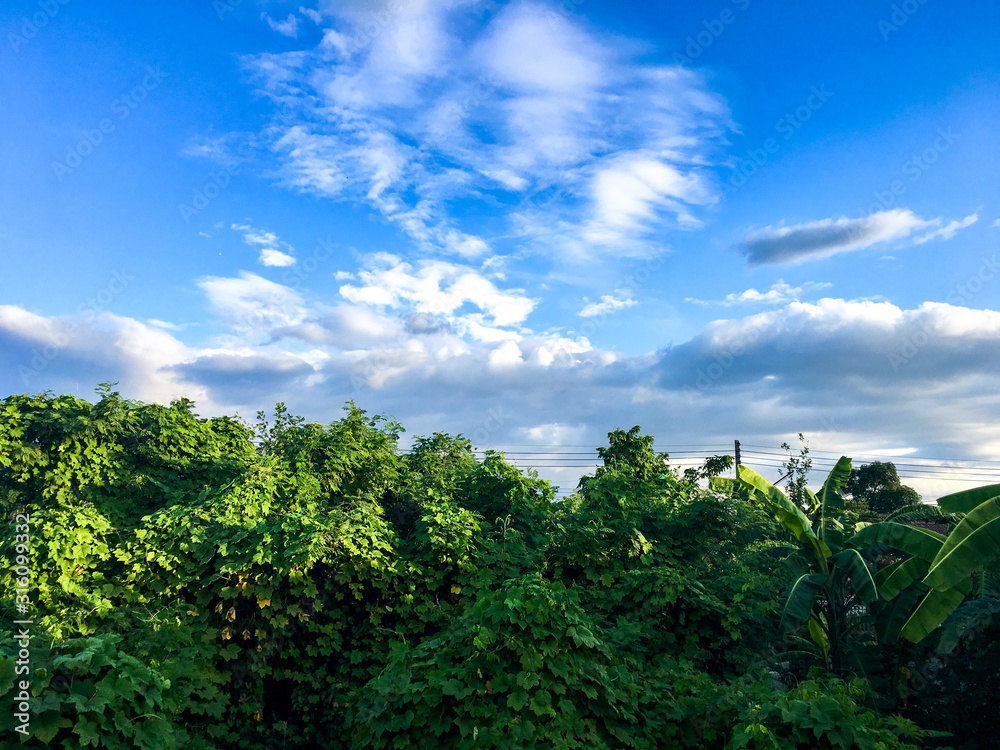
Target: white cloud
(852, 375)
(609, 303)
(949, 230)
(271, 257)
(635, 189)
(508, 354)
(204, 234)
(251, 303)
(436, 287)
(780, 293)
(289, 27)
(311, 14)
(996, 223)
(408, 107)
(269, 243)
(169, 326)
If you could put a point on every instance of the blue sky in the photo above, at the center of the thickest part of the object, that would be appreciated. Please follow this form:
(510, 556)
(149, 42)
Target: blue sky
(527, 222)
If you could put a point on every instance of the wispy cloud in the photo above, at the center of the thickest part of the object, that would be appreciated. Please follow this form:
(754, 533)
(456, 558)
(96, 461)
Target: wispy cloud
(609, 303)
(821, 239)
(949, 230)
(251, 303)
(166, 325)
(289, 27)
(780, 293)
(412, 107)
(269, 242)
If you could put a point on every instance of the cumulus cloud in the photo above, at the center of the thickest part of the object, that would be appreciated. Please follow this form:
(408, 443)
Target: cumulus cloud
(821, 239)
(436, 287)
(780, 293)
(272, 257)
(609, 303)
(853, 375)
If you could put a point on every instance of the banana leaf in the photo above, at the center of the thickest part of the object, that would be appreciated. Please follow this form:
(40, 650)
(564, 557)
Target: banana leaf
(966, 500)
(857, 570)
(974, 543)
(787, 512)
(890, 621)
(830, 496)
(904, 574)
(800, 602)
(913, 540)
(934, 609)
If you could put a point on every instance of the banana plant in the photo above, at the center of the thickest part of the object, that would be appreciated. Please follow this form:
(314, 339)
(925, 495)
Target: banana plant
(939, 569)
(835, 578)
(919, 592)
(938, 575)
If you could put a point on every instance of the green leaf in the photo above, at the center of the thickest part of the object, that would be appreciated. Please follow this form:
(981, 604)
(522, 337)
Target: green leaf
(787, 513)
(891, 622)
(913, 540)
(88, 731)
(817, 634)
(974, 543)
(799, 606)
(857, 570)
(903, 575)
(933, 610)
(830, 497)
(966, 500)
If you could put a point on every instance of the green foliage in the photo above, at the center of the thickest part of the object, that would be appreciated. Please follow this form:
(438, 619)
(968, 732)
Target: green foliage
(822, 715)
(877, 485)
(198, 584)
(86, 692)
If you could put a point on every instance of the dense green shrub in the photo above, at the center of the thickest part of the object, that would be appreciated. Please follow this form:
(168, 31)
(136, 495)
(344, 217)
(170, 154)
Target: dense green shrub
(196, 583)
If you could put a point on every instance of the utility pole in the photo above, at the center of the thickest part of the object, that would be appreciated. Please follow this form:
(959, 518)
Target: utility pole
(737, 458)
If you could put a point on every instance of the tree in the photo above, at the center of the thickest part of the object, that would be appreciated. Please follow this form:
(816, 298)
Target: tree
(797, 470)
(878, 485)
